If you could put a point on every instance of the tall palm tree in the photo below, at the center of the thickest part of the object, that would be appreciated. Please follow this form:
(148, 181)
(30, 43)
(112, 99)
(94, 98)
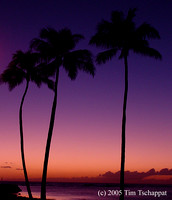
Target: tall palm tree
(23, 67)
(122, 35)
(57, 49)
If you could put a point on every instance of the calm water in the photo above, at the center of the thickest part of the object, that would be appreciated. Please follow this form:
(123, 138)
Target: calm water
(85, 191)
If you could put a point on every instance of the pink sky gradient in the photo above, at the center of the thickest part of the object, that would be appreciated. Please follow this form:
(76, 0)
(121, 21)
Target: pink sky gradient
(87, 133)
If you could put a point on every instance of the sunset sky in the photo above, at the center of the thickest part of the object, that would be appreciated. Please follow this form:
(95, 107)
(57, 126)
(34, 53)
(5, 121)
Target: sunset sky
(87, 134)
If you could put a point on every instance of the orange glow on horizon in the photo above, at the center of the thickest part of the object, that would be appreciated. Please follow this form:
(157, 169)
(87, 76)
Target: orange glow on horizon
(159, 177)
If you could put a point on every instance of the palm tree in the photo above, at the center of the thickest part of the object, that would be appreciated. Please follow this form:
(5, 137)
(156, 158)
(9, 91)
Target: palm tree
(22, 67)
(121, 34)
(57, 49)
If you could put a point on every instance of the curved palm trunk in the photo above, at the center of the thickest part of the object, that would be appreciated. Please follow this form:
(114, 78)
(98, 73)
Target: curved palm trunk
(123, 130)
(22, 142)
(50, 132)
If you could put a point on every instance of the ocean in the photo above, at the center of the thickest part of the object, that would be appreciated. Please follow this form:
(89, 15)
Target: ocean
(93, 191)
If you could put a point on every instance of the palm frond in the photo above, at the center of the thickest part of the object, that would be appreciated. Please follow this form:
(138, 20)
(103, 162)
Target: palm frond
(56, 46)
(67, 41)
(117, 17)
(147, 31)
(39, 79)
(147, 51)
(77, 38)
(13, 77)
(109, 35)
(124, 53)
(120, 33)
(104, 27)
(44, 33)
(50, 83)
(48, 69)
(54, 42)
(102, 40)
(105, 56)
(131, 14)
(27, 66)
(44, 49)
(80, 59)
(48, 34)
(37, 43)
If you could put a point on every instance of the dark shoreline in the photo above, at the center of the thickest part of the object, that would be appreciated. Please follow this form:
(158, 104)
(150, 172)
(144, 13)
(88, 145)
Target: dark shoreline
(11, 191)
(17, 198)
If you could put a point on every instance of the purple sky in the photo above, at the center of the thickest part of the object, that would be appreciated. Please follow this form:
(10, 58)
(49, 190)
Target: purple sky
(88, 120)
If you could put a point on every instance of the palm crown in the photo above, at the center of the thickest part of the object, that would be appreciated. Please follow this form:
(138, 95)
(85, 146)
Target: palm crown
(55, 47)
(121, 34)
(24, 66)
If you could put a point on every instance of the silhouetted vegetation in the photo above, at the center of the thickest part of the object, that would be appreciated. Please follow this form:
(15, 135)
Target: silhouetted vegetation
(54, 49)
(23, 67)
(121, 35)
(57, 50)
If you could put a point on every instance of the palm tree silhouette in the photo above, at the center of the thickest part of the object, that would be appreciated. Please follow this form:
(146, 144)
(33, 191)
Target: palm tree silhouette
(121, 34)
(56, 47)
(22, 67)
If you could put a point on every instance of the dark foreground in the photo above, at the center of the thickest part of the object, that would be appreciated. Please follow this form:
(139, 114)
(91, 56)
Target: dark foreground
(16, 198)
(11, 192)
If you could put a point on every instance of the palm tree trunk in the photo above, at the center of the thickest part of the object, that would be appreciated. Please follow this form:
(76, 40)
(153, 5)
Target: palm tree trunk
(22, 142)
(123, 130)
(53, 111)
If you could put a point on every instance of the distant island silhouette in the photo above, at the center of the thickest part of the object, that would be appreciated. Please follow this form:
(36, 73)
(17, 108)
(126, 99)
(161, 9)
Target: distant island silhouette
(164, 176)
